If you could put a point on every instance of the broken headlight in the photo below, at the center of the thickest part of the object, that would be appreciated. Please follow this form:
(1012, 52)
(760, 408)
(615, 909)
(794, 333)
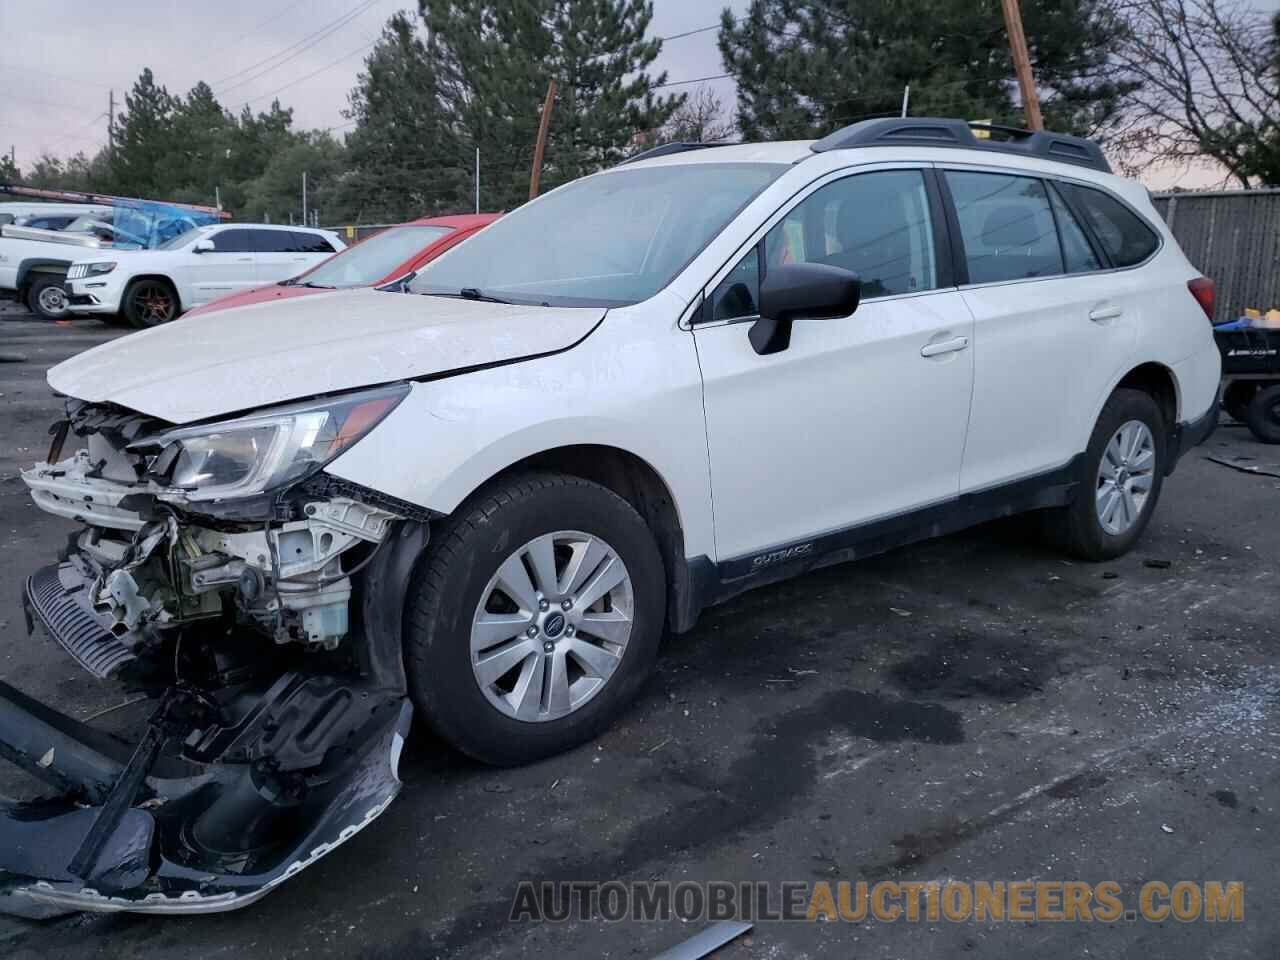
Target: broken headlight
(254, 454)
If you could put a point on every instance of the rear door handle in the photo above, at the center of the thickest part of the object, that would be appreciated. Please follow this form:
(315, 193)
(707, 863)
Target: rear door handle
(244, 259)
(944, 346)
(1109, 312)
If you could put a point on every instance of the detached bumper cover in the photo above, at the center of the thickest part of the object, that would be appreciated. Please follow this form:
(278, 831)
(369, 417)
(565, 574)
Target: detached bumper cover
(143, 862)
(212, 808)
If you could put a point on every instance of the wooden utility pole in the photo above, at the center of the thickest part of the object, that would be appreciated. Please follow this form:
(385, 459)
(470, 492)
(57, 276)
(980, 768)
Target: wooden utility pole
(1022, 64)
(536, 176)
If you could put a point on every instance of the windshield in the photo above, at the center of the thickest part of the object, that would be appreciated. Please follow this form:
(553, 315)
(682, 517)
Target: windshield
(182, 239)
(607, 240)
(371, 260)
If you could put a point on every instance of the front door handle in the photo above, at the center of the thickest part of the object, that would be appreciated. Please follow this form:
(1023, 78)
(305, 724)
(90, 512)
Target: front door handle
(244, 259)
(944, 346)
(1109, 312)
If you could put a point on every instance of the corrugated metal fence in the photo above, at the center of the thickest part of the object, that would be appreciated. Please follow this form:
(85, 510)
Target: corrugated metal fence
(1232, 236)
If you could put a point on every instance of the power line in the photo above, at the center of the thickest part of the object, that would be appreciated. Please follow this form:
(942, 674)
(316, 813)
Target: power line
(681, 83)
(314, 73)
(294, 49)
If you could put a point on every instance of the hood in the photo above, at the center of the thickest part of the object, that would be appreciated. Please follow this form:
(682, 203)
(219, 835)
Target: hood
(267, 353)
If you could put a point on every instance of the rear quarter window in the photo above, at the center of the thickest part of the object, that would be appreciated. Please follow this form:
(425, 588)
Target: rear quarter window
(1123, 234)
(312, 243)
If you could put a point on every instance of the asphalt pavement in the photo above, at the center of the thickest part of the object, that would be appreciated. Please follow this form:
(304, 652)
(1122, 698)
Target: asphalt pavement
(975, 708)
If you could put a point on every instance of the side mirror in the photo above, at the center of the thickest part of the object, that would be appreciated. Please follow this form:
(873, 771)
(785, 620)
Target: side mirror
(795, 291)
(203, 246)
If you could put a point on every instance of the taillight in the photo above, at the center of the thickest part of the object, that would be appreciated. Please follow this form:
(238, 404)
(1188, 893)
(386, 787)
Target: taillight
(1202, 288)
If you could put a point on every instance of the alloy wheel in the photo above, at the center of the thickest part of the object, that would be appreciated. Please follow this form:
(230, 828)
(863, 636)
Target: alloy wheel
(154, 303)
(552, 626)
(1125, 477)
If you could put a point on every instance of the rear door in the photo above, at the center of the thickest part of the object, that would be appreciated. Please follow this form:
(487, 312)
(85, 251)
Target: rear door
(228, 267)
(286, 253)
(1053, 325)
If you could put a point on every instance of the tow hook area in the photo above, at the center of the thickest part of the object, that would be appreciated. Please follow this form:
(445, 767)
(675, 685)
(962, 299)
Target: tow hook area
(210, 810)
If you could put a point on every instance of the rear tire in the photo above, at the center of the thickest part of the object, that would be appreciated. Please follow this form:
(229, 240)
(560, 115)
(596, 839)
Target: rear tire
(1235, 400)
(149, 303)
(46, 299)
(1263, 414)
(1114, 500)
(459, 605)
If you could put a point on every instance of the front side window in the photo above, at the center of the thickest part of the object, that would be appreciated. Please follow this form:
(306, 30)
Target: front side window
(234, 241)
(1006, 225)
(611, 239)
(1121, 232)
(876, 224)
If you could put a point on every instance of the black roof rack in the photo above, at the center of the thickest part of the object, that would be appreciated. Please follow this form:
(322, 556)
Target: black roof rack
(668, 148)
(944, 132)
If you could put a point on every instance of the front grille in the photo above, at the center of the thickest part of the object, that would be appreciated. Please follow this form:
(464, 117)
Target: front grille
(77, 271)
(76, 629)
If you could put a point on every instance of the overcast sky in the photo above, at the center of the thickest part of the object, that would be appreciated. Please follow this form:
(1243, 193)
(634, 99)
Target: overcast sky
(60, 59)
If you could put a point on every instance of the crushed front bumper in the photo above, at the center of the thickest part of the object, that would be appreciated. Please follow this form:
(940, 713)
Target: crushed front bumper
(213, 807)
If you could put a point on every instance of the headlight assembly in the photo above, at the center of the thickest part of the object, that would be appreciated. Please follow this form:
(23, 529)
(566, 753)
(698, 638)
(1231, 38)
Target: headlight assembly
(97, 269)
(262, 452)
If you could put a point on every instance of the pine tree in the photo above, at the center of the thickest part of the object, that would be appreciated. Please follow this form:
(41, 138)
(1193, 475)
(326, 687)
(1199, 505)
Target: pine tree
(197, 162)
(144, 139)
(404, 157)
(495, 59)
(807, 67)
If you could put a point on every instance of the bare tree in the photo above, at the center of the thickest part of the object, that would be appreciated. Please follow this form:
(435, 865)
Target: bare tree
(700, 119)
(1210, 87)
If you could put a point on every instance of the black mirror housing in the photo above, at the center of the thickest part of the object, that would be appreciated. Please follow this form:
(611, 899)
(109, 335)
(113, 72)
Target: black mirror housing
(792, 291)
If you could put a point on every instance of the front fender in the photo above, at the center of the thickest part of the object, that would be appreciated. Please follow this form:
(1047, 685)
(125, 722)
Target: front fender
(642, 396)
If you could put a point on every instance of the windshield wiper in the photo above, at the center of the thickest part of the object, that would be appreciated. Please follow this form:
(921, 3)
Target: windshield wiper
(474, 293)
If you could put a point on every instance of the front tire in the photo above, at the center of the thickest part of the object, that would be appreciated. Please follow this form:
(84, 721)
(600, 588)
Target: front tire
(1121, 475)
(534, 618)
(1263, 414)
(46, 298)
(149, 303)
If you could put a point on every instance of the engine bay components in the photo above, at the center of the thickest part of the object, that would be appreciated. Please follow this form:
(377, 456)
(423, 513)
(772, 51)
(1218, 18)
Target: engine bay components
(266, 633)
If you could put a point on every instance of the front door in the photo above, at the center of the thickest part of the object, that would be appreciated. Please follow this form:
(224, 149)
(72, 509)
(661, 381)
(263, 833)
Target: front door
(861, 417)
(228, 267)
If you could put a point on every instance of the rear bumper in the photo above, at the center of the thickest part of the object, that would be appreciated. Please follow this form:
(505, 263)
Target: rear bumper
(1191, 434)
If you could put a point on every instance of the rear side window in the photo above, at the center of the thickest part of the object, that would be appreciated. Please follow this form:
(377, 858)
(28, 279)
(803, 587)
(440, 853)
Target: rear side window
(234, 241)
(1121, 232)
(311, 243)
(1007, 226)
(276, 241)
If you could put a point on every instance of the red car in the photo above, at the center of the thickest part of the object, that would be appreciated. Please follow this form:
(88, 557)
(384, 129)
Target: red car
(383, 258)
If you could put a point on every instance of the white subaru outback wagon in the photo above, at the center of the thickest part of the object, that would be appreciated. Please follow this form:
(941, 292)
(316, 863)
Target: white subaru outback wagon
(485, 497)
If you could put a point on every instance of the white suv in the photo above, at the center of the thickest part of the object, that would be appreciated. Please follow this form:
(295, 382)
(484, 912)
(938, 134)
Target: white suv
(151, 287)
(638, 395)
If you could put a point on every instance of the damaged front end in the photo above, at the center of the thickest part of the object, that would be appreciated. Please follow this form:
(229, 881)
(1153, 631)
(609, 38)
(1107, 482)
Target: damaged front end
(257, 601)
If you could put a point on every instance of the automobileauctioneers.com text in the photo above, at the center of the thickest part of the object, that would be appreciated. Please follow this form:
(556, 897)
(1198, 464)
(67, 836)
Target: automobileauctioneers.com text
(886, 901)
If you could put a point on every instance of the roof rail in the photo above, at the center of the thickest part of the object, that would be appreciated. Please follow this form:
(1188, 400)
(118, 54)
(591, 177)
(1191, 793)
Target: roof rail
(668, 148)
(946, 132)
